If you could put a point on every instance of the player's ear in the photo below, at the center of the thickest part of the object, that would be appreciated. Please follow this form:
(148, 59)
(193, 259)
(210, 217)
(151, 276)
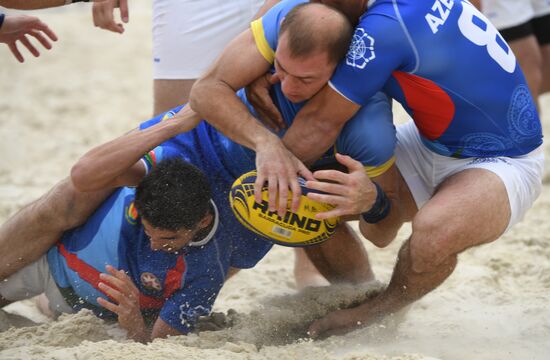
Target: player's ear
(205, 221)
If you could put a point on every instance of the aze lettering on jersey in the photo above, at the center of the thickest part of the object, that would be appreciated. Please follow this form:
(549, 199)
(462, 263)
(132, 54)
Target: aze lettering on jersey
(439, 14)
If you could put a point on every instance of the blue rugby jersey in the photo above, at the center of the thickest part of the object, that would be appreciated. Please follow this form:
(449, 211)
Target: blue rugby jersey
(450, 69)
(114, 235)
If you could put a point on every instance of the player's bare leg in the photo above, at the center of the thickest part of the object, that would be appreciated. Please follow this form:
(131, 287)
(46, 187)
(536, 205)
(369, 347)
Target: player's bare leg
(462, 214)
(545, 50)
(170, 93)
(305, 273)
(529, 56)
(342, 258)
(28, 234)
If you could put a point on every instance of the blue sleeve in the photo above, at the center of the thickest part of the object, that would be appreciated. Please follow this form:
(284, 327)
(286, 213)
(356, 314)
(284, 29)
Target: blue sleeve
(266, 29)
(378, 48)
(2, 16)
(164, 151)
(201, 286)
(370, 137)
(162, 117)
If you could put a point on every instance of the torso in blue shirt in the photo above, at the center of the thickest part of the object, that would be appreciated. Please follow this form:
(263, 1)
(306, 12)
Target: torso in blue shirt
(114, 235)
(369, 137)
(450, 69)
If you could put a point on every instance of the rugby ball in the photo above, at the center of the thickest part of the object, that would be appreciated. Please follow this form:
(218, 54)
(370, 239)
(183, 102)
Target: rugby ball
(293, 229)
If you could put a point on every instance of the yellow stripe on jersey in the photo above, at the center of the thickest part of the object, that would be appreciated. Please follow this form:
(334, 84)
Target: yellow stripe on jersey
(374, 171)
(261, 42)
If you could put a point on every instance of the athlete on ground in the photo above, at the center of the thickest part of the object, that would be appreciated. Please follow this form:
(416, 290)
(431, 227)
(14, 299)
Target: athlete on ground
(475, 128)
(118, 163)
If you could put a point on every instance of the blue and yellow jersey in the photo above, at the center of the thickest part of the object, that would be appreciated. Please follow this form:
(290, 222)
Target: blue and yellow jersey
(369, 137)
(450, 69)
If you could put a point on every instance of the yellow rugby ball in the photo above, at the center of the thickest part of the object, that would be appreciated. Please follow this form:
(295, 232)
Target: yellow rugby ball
(292, 229)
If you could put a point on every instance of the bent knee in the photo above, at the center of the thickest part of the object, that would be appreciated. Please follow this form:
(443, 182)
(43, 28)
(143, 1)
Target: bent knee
(430, 244)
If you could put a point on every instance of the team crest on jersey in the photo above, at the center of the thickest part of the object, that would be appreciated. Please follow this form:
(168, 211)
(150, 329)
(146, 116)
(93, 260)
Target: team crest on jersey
(361, 50)
(150, 282)
(131, 214)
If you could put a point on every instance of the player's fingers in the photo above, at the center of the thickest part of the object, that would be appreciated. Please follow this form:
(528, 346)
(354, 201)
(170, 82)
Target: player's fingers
(296, 193)
(330, 188)
(107, 305)
(303, 171)
(124, 10)
(349, 162)
(267, 121)
(15, 51)
(111, 292)
(25, 41)
(283, 195)
(42, 39)
(271, 111)
(272, 187)
(336, 212)
(331, 175)
(118, 279)
(45, 29)
(329, 199)
(104, 19)
(273, 78)
(258, 186)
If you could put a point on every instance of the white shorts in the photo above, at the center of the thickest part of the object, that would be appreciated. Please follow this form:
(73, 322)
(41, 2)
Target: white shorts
(33, 280)
(424, 170)
(505, 14)
(189, 34)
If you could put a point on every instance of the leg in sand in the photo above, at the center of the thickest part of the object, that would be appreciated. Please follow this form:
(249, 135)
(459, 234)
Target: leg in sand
(461, 214)
(170, 93)
(342, 258)
(28, 234)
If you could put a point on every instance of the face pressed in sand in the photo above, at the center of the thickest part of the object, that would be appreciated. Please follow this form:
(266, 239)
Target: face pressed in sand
(173, 241)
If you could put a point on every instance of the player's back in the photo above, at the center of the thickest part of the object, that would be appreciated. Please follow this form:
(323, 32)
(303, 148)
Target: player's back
(450, 69)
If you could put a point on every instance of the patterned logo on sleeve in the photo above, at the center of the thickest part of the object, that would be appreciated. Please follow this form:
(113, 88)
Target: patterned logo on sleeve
(361, 50)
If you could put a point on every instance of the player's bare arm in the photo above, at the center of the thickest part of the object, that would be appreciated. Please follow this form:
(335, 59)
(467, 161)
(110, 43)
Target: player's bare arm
(213, 97)
(354, 193)
(318, 124)
(116, 163)
(31, 4)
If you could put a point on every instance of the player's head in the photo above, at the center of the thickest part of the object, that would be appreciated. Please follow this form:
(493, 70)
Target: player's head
(173, 201)
(312, 40)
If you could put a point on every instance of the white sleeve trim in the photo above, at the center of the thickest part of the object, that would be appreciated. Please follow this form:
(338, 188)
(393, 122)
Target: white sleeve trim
(333, 87)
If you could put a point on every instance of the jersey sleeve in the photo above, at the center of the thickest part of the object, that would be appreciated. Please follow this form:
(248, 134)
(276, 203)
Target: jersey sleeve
(370, 137)
(182, 310)
(379, 47)
(266, 29)
(164, 151)
(200, 287)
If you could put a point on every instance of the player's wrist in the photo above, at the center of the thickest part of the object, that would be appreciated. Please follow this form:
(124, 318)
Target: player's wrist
(380, 209)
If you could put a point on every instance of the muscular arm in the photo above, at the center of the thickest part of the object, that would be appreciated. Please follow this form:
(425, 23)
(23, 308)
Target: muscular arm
(116, 163)
(213, 95)
(31, 4)
(383, 232)
(318, 124)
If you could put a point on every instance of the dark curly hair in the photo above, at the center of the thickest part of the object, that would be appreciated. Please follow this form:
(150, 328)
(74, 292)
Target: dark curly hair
(174, 195)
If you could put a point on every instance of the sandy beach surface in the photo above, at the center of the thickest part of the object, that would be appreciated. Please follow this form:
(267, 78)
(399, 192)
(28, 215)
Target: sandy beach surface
(96, 85)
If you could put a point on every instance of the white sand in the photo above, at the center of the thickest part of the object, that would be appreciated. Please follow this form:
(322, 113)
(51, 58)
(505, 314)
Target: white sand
(96, 85)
